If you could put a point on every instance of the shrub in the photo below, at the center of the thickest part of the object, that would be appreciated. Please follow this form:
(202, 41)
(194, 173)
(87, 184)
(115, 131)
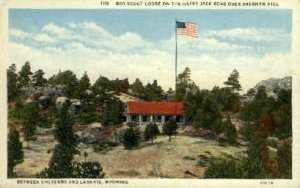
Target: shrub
(230, 131)
(151, 131)
(132, 137)
(248, 132)
(88, 170)
(222, 168)
(284, 156)
(170, 128)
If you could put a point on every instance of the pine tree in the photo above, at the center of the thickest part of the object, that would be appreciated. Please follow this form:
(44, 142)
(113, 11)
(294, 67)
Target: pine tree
(61, 164)
(31, 117)
(15, 154)
(12, 83)
(83, 86)
(25, 75)
(230, 131)
(138, 88)
(151, 131)
(233, 81)
(170, 128)
(132, 137)
(38, 79)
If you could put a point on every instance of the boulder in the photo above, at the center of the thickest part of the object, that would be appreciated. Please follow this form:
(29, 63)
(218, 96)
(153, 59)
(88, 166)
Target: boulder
(60, 101)
(95, 133)
(91, 133)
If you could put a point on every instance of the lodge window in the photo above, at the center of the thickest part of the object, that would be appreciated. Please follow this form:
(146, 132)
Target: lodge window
(134, 118)
(167, 118)
(157, 118)
(144, 118)
(178, 119)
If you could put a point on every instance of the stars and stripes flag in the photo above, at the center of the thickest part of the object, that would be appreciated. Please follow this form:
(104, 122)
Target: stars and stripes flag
(187, 28)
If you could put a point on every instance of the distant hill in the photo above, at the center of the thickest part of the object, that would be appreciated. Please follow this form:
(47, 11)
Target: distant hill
(272, 84)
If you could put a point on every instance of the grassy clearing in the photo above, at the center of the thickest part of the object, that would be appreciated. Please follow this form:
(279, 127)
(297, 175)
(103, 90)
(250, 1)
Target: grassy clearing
(162, 159)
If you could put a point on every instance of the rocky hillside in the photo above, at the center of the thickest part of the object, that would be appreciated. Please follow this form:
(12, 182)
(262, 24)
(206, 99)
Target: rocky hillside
(275, 83)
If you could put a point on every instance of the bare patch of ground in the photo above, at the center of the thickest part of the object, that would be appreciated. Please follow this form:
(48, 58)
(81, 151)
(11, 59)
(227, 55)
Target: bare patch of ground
(162, 159)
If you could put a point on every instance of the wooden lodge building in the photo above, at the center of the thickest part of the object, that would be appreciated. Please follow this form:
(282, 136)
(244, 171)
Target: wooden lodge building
(159, 112)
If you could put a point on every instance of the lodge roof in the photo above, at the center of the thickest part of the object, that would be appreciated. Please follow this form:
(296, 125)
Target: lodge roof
(156, 108)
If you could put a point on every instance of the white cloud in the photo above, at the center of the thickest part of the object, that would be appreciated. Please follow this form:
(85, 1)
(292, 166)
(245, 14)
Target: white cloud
(56, 30)
(18, 33)
(248, 34)
(44, 38)
(129, 55)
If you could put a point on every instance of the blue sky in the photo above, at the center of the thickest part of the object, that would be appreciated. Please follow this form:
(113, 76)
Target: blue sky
(107, 42)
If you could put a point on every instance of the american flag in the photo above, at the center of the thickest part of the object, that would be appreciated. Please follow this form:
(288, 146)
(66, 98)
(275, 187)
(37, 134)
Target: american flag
(187, 28)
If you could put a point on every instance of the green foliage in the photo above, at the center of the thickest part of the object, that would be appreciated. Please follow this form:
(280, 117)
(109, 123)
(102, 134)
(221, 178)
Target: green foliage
(277, 114)
(12, 83)
(233, 81)
(184, 85)
(170, 128)
(132, 137)
(82, 87)
(222, 168)
(248, 132)
(120, 85)
(38, 78)
(24, 75)
(87, 116)
(112, 112)
(230, 131)
(31, 118)
(102, 85)
(153, 92)
(222, 96)
(61, 164)
(15, 154)
(151, 131)
(104, 146)
(284, 155)
(138, 88)
(68, 80)
(250, 167)
(202, 109)
(88, 170)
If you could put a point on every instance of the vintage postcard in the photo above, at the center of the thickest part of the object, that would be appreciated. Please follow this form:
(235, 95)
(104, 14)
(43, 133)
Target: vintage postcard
(150, 93)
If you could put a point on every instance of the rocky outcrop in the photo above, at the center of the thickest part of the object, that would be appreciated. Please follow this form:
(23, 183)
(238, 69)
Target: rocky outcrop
(96, 133)
(274, 84)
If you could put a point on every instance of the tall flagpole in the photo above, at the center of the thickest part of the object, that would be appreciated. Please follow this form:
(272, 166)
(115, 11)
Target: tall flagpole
(175, 56)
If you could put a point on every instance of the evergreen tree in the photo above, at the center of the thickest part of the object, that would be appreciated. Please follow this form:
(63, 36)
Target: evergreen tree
(25, 75)
(68, 80)
(153, 91)
(184, 85)
(233, 81)
(137, 88)
(12, 83)
(284, 155)
(170, 128)
(61, 164)
(102, 85)
(151, 131)
(202, 109)
(30, 118)
(230, 131)
(15, 154)
(38, 78)
(132, 137)
(112, 112)
(83, 86)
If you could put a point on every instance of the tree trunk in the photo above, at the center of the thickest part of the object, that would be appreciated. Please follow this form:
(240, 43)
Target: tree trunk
(27, 145)
(170, 138)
